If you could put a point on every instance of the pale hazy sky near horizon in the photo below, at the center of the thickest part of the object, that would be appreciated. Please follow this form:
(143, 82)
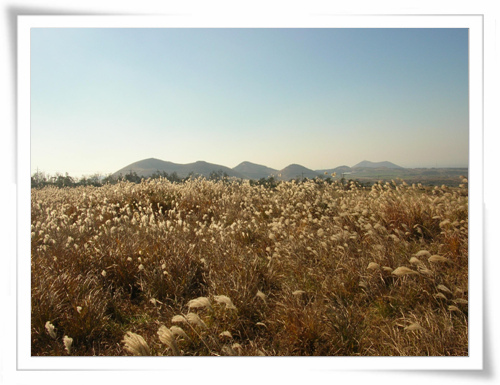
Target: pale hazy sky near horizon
(104, 98)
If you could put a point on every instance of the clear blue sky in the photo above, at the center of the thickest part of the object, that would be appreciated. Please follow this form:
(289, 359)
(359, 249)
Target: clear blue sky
(104, 98)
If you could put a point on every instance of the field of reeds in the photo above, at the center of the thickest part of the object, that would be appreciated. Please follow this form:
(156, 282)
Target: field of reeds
(209, 268)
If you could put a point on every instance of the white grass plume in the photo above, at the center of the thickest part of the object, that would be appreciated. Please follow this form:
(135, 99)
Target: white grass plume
(194, 319)
(444, 288)
(461, 301)
(414, 326)
(50, 329)
(373, 266)
(179, 319)
(402, 270)
(178, 331)
(168, 338)
(416, 261)
(437, 258)
(226, 300)
(261, 295)
(199, 302)
(226, 333)
(67, 341)
(136, 345)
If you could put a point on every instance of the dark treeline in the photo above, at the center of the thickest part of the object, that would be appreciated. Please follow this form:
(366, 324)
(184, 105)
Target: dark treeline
(41, 179)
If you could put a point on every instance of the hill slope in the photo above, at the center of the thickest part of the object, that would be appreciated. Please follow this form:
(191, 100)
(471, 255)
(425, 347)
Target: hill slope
(364, 170)
(368, 164)
(254, 171)
(293, 171)
(147, 167)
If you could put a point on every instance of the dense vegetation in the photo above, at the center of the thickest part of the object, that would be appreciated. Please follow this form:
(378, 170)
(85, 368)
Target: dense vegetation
(214, 267)
(363, 177)
(41, 179)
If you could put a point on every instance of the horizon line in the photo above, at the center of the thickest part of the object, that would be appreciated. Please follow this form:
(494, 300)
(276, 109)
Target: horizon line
(94, 172)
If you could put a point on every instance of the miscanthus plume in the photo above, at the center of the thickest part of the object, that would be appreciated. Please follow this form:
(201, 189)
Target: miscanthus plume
(136, 345)
(168, 338)
(50, 329)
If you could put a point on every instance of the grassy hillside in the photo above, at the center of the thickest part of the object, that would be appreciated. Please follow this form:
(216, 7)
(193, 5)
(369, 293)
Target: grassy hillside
(296, 171)
(254, 171)
(147, 167)
(212, 268)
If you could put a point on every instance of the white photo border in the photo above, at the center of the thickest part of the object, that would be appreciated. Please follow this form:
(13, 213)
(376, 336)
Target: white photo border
(475, 24)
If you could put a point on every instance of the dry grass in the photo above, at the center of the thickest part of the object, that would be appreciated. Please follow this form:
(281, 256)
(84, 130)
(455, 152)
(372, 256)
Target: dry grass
(212, 268)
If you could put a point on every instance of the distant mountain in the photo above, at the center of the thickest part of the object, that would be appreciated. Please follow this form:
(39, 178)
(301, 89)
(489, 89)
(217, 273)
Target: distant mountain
(368, 164)
(296, 171)
(204, 168)
(254, 171)
(247, 170)
(147, 167)
(339, 170)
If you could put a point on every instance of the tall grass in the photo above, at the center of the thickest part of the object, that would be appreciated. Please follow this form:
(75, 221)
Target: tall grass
(213, 268)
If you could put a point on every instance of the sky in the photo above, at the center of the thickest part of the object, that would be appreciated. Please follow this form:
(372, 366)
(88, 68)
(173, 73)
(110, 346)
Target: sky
(104, 98)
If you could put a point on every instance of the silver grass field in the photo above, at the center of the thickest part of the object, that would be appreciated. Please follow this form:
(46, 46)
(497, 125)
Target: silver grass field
(217, 268)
